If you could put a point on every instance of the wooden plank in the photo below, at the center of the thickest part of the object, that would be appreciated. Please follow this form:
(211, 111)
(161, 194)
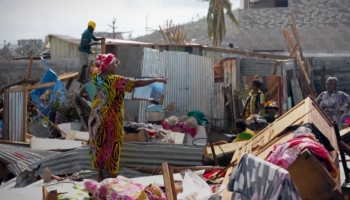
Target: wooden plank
(311, 177)
(289, 39)
(30, 67)
(294, 51)
(167, 182)
(220, 150)
(296, 36)
(5, 115)
(14, 142)
(73, 75)
(33, 87)
(103, 46)
(25, 114)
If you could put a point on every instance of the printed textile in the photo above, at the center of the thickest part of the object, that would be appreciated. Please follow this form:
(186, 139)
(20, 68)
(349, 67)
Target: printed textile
(284, 154)
(334, 104)
(256, 179)
(322, 139)
(122, 188)
(106, 132)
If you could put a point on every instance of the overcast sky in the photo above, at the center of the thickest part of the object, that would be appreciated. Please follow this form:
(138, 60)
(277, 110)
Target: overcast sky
(34, 19)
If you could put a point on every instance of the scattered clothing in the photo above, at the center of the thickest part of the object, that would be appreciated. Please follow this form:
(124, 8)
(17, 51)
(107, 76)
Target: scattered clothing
(257, 179)
(201, 118)
(180, 128)
(122, 188)
(315, 131)
(247, 134)
(106, 121)
(284, 154)
(253, 102)
(333, 105)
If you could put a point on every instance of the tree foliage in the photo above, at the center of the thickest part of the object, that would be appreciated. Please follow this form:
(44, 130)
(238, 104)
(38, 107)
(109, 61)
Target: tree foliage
(216, 19)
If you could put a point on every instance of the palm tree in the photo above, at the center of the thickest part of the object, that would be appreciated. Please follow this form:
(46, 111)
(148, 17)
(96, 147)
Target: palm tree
(216, 19)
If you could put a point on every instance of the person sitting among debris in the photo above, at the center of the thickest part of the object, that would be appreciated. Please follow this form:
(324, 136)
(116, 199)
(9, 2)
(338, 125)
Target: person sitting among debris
(85, 49)
(334, 103)
(106, 120)
(243, 132)
(255, 102)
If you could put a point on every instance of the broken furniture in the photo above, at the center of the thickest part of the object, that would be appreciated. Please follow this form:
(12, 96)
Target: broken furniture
(262, 144)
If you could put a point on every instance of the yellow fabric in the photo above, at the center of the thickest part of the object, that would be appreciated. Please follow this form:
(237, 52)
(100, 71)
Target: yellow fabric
(92, 24)
(245, 135)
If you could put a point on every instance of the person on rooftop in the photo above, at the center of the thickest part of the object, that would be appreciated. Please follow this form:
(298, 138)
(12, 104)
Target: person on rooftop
(85, 49)
(255, 101)
(106, 132)
(243, 132)
(334, 103)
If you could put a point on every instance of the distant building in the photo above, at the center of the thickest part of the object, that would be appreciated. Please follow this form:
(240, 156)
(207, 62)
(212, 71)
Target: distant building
(323, 27)
(35, 43)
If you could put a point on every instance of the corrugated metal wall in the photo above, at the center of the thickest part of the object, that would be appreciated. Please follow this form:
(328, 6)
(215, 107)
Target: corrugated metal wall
(130, 66)
(191, 81)
(60, 49)
(255, 66)
(16, 116)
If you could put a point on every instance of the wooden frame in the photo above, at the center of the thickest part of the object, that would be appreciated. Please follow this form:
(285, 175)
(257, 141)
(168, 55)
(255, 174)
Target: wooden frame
(6, 115)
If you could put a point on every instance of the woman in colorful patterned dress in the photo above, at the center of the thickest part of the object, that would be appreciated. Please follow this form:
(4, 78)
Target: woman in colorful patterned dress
(106, 120)
(255, 102)
(334, 103)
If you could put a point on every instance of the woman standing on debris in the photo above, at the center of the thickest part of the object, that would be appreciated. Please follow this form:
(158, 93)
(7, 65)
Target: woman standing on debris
(334, 103)
(255, 102)
(106, 120)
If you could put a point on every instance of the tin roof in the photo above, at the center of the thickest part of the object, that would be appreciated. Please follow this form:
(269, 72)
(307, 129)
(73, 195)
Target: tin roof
(133, 155)
(18, 158)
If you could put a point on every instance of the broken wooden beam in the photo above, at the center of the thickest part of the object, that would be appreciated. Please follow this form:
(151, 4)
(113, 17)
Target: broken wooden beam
(19, 82)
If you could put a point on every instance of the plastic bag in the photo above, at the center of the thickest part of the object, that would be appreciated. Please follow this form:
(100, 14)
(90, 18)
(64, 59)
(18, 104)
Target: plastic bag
(194, 187)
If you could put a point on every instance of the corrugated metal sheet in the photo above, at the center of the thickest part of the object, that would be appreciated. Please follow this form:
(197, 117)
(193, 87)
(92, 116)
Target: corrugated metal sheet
(297, 95)
(254, 66)
(152, 66)
(132, 155)
(130, 61)
(190, 85)
(214, 54)
(201, 76)
(62, 49)
(218, 105)
(16, 116)
(19, 158)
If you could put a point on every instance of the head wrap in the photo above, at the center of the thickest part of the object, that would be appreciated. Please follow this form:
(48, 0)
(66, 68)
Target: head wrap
(92, 24)
(333, 80)
(104, 60)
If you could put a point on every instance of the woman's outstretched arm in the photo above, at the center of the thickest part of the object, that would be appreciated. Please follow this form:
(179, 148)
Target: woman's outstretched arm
(141, 83)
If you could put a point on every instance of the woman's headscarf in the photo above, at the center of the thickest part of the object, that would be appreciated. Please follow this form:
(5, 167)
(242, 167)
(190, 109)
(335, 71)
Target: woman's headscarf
(333, 80)
(104, 60)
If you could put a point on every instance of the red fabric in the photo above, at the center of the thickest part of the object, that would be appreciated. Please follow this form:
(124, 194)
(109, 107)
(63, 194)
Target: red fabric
(207, 175)
(180, 128)
(285, 154)
(103, 60)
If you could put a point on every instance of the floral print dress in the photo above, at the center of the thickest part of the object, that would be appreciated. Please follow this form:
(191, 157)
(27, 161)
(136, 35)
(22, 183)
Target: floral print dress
(106, 132)
(333, 104)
